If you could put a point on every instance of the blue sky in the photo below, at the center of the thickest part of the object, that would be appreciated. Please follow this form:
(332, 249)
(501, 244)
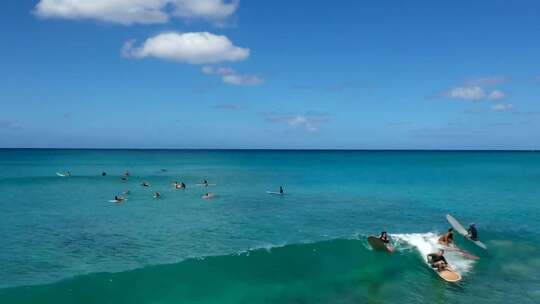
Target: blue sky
(270, 74)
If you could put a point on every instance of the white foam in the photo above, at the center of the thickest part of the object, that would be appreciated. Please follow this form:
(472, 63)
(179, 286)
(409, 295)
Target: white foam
(426, 243)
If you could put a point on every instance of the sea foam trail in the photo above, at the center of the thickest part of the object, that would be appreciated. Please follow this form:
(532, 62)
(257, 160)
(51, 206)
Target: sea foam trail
(427, 243)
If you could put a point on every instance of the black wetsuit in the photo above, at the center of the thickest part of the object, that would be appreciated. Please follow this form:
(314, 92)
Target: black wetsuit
(473, 233)
(434, 258)
(386, 241)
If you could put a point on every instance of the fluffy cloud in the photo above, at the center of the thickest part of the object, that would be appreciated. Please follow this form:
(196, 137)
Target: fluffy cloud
(194, 48)
(474, 93)
(230, 76)
(135, 11)
(309, 121)
(502, 107)
(469, 93)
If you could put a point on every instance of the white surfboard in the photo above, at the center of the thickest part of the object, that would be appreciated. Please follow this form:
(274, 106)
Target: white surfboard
(275, 192)
(461, 230)
(61, 174)
(115, 201)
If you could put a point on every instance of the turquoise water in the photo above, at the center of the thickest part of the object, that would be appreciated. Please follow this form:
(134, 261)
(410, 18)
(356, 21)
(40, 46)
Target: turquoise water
(63, 241)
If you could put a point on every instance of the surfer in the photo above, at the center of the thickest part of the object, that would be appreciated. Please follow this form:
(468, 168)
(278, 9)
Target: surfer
(126, 173)
(118, 198)
(447, 239)
(103, 173)
(207, 196)
(182, 185)
(472, 232)
(157, 195)
(281, 190)
(437, 260)
(205, 183)
(384, 237)
(145, 184)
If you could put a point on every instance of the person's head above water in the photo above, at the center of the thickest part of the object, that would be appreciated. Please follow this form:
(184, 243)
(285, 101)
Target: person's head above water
(384, 234)
(450, 230)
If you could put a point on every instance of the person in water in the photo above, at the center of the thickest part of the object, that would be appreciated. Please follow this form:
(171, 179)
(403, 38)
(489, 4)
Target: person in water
(205, 183)
(384, 237)
(118, 198)
(157, 195)
(145, 184)
(472, 232)
(103, 173)
(281, 190)
(437, 260)
(447, 239)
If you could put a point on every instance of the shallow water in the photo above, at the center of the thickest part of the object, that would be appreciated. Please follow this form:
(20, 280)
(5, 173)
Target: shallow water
(63, 241)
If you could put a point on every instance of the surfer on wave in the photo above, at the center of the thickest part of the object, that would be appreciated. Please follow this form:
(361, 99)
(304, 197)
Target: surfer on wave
(447, 239)
(437, 260)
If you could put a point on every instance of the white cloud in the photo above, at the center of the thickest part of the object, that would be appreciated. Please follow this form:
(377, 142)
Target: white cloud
(496, 94)
(469, 93)
(309, 121)
(230, 76)
(194, 48)
(502, 107)
(136, 11)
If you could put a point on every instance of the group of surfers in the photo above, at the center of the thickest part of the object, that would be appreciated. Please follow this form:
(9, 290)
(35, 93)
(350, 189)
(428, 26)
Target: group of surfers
(437, 259)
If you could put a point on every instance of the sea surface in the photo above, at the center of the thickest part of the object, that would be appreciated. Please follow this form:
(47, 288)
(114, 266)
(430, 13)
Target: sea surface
(63, 241)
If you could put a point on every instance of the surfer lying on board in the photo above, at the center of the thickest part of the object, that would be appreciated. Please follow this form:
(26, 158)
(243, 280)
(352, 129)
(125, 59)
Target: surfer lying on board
(118, 198)
(472, 232)
(145, 184)
(281, 190)
(437, 260)
(447, 239)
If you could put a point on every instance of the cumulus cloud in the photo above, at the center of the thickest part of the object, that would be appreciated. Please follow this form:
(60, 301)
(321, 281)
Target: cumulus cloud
(232, 77)
(502, 107)
(474, 93)
(128, 12)
(469, 93)
(193, 48)
(309, 121)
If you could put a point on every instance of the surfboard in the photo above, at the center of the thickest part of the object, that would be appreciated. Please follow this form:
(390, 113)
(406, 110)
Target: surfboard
(274, 192)
(448, 275)
(461, 230)
(115, 201)
(377, 244)
(61, 174)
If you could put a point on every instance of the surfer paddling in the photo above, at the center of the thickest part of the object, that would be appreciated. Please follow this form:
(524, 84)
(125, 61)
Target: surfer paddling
(384, 238)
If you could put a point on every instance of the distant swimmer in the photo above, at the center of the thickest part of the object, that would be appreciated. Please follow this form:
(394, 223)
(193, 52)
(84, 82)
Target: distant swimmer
(103, 173)
(145, 184)
(472, 232)
(180, 185)
(447, 239)
(437, 260)
(281, 190)
(126, 173)
(205, 183)
(118, 198)
(208, 196)
(157, 195)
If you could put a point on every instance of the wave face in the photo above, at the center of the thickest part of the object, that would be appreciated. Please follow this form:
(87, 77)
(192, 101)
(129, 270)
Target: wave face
(335, 271)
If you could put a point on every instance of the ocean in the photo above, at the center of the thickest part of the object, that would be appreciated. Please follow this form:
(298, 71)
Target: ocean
(63, 241)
